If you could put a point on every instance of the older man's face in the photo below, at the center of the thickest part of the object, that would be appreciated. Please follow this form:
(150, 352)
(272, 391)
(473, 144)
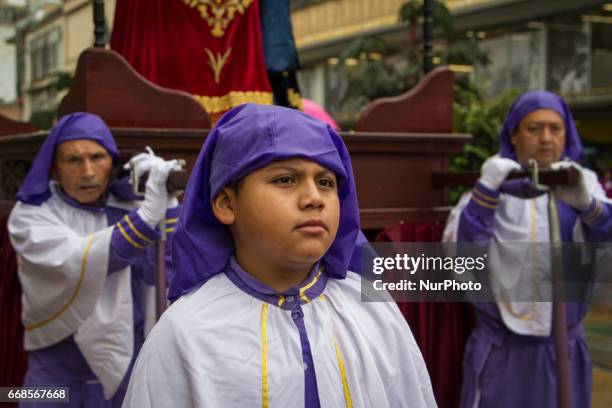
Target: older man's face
(540, 136)
(83, 169)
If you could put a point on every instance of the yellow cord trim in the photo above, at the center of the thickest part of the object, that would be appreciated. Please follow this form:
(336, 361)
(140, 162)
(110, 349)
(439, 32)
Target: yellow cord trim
(303, 289)
(485, 197)
(482, 203)
(74, 294)
(133, 228)
(345, 386)
(171, 220)
(217, 104)
(167, 230)
(531, 314)
(264, 355)
(281, 300)
(127, 237)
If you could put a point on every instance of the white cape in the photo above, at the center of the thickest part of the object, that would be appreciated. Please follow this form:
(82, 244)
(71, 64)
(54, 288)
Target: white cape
(208, 350)
(63, 269)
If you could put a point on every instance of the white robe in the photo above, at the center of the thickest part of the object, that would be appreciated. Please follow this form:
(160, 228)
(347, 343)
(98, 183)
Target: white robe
(62, 256)
(209, 350)
(521, 220)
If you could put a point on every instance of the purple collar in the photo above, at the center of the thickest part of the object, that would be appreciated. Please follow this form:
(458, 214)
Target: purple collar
(94, 208)
(312, 288)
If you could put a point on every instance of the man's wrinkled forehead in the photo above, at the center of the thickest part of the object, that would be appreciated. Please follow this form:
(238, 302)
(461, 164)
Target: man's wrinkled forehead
(79, 146)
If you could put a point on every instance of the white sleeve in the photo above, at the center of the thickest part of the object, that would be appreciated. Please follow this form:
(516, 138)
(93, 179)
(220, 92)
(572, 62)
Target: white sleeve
(62, 273)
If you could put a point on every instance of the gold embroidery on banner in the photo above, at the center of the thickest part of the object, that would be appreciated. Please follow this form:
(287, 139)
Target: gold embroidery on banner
(217, 62)
(216, 104)
(295, 99)
(219, 13)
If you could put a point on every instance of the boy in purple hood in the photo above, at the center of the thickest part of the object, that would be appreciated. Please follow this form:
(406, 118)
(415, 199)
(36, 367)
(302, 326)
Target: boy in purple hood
(266, 312)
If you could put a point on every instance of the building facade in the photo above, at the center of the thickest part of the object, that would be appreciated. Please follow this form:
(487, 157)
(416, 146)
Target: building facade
(48, 40)
(10, 12)
(561, 45)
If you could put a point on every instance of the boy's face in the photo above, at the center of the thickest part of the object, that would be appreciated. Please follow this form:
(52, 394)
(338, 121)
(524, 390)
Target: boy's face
(284, 215)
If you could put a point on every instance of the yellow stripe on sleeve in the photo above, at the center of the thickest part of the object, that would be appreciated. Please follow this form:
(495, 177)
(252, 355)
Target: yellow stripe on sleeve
(482, 203)
(485, 197)
(127, 237)
(133, 228)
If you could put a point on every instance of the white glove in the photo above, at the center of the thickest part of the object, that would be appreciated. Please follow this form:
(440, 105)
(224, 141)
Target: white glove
(495, 170)
(578, 195)
(142, 163)
(157, 199)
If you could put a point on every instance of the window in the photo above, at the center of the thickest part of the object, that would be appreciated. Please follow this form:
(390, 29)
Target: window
(44, 55)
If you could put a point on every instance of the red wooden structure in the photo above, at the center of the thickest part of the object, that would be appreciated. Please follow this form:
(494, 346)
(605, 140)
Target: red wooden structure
(400, 143)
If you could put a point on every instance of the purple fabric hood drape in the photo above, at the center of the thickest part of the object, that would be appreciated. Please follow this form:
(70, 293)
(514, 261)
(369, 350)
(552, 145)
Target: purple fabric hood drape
(79, 125)
(245, 139)
(529, 102)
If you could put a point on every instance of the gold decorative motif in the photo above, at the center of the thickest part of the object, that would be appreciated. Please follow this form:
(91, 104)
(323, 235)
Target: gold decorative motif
(295, 99)
(219, 13)
(217, 104)
(217, 62)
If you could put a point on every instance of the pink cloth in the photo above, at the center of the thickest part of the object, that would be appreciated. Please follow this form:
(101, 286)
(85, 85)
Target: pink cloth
(317, 112)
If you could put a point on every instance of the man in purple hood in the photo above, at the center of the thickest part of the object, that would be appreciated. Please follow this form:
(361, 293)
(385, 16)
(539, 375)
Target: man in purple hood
(267, 312)
(509, 359)
(84, 261)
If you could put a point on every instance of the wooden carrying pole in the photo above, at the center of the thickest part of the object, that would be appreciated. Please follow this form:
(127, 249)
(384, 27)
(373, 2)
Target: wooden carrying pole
(559, 318)
(177, 181)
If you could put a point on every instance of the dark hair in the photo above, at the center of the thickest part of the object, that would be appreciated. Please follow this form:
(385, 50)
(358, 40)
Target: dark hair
(235, 185)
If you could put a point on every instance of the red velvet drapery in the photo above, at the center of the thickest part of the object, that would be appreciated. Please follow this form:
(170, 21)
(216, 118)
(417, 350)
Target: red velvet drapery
(13, 362)
(440, 329)
(208, 48)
